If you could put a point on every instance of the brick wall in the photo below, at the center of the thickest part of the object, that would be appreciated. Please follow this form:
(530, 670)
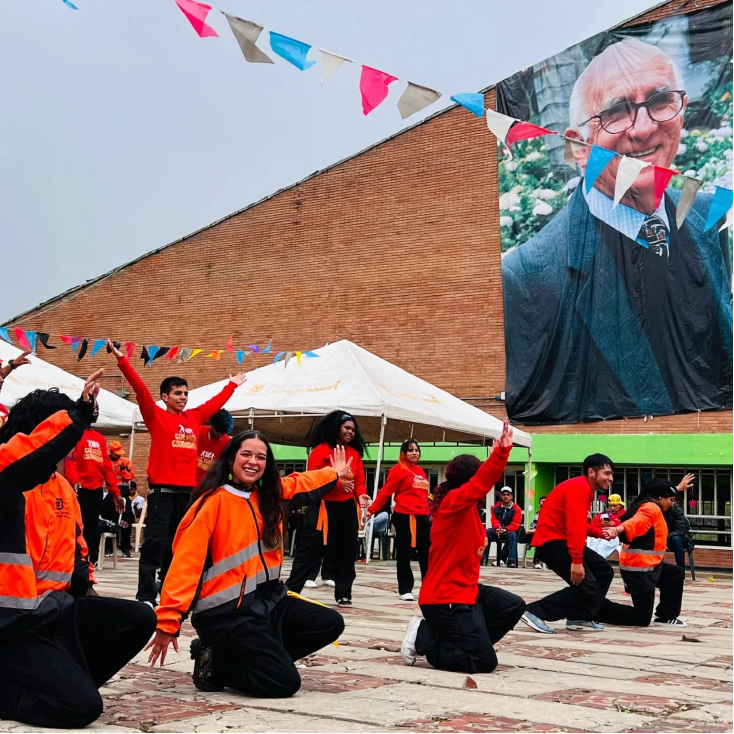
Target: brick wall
(397, 249)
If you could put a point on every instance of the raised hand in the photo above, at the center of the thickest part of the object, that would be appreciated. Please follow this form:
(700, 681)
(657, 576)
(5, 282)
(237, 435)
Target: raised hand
(22, 359)
(686, 482)
(238, 379)
(505, 440)
(339, 462)
(114, 349)
(91, 386)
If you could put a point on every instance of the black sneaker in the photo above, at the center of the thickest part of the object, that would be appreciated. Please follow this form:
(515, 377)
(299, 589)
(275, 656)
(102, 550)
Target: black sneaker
(344, 603)
(511, 564)
(203, 657)
(127, 554)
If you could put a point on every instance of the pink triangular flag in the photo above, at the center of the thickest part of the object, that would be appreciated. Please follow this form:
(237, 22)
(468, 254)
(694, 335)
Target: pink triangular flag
(373, 84)
(22, 338)
(525, 131)
(660, 182)
(196, 13)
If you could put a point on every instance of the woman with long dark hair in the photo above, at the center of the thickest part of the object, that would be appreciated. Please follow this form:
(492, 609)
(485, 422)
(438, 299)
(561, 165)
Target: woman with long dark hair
(226, 568)
(331, 528)
(463, 619)
(408, 482)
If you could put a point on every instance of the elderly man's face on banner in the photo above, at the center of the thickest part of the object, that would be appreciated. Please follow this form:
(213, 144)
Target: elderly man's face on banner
(631, 100)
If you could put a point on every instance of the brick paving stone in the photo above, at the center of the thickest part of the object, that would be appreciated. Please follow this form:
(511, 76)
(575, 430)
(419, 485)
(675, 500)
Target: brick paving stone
(548, 653)
(325, 681)
(687, 681)
(461, 722)
(145, 712)
(621, 702)
(723, 661)
(373, 644)
(664, 726)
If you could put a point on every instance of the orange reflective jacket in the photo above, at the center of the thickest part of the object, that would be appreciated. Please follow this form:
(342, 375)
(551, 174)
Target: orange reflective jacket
(42, 550)
(219, 553)
(647, 534)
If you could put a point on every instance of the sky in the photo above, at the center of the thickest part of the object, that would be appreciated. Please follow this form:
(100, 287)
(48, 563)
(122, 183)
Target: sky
(121, 130)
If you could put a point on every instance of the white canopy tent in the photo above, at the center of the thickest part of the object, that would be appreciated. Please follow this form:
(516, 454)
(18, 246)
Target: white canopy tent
(114, 411)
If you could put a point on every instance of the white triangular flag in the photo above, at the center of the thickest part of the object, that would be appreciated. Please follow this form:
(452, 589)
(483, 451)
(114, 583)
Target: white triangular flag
(728, 220)
(416, 98)
(627, 172)
(687, 197)
(500, 125)
(330, 63)
(246, 32)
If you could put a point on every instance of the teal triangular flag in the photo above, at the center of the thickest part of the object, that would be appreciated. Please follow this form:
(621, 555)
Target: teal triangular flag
(720, 205)
(598, 161)
(472, 101)
(98, 344)
(32, 339)
(4, 334)
(278, 356)
(291, 50)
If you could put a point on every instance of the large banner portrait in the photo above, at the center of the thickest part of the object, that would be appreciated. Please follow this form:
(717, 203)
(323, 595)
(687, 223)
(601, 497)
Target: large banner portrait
(617, 309)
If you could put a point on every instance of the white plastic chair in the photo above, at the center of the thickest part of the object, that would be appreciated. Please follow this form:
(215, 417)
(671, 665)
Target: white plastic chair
(139, 525)
(102, 542)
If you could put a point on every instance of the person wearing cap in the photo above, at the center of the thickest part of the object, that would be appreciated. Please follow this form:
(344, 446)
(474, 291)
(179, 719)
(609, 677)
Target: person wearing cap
(644, 534)
(122, 467)
(506, 520)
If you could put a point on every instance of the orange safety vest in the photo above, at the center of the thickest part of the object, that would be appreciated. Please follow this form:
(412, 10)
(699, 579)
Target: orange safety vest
(41, 542)
(220, 561)
(647, 533)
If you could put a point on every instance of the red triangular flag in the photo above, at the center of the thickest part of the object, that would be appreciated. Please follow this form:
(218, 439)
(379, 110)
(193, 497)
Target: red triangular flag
(373, 85)
(196, 13)
(230, 346)
(22, 338)
(174, 351)
(525, 131)
(70, 340)
(129, 349)
(660, 182)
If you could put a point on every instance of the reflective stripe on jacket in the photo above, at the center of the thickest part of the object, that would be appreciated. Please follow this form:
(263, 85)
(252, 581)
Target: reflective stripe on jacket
(220, 559)
(647, 535)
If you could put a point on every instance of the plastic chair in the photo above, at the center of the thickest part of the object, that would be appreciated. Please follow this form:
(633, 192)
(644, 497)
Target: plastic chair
(690, 552)
(103, 541)
(138, 526)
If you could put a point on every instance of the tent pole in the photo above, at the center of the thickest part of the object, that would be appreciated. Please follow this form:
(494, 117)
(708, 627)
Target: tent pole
(132, 437)
(368, 547)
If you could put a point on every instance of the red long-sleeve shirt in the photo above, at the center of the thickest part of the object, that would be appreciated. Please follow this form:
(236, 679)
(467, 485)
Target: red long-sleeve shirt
(172, 460)
(209, 449)
(319, 458)
(90, 465)
(458, 538)
(565, 516)
(596, 530)
(410, 487)
(514, 525)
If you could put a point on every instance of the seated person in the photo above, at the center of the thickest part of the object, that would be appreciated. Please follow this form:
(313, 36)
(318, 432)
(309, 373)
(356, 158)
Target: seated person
(607, 519)
(529, 533)
(506, 521)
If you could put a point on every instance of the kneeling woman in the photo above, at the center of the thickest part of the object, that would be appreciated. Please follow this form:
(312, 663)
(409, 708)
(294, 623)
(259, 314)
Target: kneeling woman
(226, 568)
(462, 618)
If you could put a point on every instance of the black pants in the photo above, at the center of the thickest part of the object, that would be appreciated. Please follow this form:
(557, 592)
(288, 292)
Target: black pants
(461, 637)
(677, 544)
(307, 558)
(165, 512)
(580, 602)
(257, 657)
(670, 582)
(404, 551)
(90, 505)
(125, 538)
(50, 678)
(340, 552)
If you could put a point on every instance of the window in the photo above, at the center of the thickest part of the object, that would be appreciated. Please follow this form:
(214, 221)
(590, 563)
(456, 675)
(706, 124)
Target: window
(707, 505)
(291, 467)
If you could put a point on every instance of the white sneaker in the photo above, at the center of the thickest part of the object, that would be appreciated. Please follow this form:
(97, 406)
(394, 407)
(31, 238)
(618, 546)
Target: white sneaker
(329, 582)
(407, 648)
(501, 563)
(311, 585)
(407, 597)
(674, 623)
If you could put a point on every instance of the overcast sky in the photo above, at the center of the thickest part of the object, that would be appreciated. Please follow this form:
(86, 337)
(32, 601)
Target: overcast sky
(122, 130)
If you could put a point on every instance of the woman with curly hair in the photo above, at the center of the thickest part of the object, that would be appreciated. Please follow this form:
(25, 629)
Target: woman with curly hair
(408, 482)
(331, 528)
(227, 559)
(462, 619)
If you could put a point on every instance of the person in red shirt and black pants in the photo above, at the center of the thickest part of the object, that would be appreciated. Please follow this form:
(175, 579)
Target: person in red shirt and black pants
(463, 619)
(212, 439)
(171, 464)
(408, 482)
(331, 527)
(560, 542)
(88, 468)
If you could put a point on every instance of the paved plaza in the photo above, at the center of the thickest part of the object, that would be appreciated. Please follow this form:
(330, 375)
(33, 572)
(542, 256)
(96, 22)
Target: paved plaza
(621, 680)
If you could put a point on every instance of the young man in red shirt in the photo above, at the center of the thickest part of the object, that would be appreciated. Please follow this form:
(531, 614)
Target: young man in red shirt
(88, 469)
(560, 543)
(506, 521)
(212, 439)
(171, 464)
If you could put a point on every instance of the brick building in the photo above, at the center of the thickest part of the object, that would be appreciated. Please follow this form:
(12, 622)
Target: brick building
(398, 249)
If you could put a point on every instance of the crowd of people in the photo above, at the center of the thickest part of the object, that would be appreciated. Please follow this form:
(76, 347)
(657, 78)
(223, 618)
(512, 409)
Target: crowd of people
(214, 548)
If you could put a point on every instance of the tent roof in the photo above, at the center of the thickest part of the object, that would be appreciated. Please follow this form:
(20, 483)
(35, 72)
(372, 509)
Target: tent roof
(114, 412)
(286, 400)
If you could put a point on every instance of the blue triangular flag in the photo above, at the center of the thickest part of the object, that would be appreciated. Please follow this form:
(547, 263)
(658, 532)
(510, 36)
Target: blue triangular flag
(267, 349)
(152, 351)
(720, 205)
(98, 344)
(253, 348)
(278, 356)
(241, 356)
(472, 101)
(70, 4)
(4, 334)
(291, 50)
(75, 346)
(310, 354)
(32, 339)
(598, 161)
